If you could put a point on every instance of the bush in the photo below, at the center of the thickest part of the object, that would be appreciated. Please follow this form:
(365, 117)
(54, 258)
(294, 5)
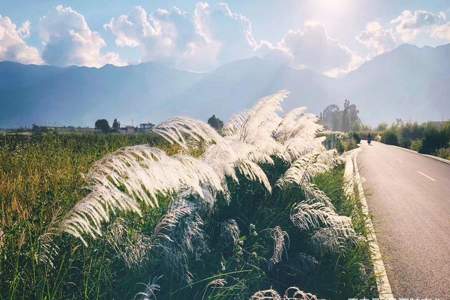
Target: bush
(433, 140)
(405, 143)
(389, 137)
(416, 145)
(443, 152)
(340, 147)
(356, 137)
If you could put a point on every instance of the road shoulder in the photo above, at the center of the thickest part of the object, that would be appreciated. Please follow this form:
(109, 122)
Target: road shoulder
(354, 188)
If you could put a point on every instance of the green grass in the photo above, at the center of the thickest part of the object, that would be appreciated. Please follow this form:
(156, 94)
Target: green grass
(355, 273)
(41, 179)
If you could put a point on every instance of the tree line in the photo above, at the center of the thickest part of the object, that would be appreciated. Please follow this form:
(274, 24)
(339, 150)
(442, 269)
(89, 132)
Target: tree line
(429, 138)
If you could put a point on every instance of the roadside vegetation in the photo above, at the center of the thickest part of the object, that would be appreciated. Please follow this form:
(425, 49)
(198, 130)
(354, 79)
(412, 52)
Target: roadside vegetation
(342, 141)
(428, 138)
(186, 213)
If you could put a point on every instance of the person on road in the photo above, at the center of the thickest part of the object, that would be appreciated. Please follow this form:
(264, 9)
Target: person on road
(369, 138)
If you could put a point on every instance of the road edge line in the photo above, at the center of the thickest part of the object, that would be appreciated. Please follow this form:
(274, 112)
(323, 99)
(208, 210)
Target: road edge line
(354, 180)
(422, 154)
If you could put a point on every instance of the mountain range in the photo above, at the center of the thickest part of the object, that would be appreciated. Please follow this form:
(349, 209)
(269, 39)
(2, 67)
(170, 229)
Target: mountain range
(408, 82)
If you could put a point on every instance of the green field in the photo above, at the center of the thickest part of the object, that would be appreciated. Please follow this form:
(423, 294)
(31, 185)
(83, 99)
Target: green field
(41, 179)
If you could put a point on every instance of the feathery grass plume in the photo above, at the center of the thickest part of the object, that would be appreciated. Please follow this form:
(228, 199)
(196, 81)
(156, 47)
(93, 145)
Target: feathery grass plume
(298, 133)
(253, 172)
(280, 239)
(314, 194)
(295, 293)
(151, 288)
(290, 293)
(48, 249)
(222, 155)
(261, 119)
(306, 167)
(181, 237)
(170, 221)
(229, 157)
(134, 176)
(132, 247)
(176, 130)
(266, 295)
(333, 240)
(307, 216)
(256, 126)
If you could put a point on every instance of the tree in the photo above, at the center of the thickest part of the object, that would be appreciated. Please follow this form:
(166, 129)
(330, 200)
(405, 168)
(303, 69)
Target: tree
(390, 137)
(341, 120)
(103, 125)
(382, 127)
(215, 123)
(116, 125)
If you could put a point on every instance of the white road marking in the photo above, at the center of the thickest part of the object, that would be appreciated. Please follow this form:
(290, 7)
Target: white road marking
(383, 285)
(426, 176)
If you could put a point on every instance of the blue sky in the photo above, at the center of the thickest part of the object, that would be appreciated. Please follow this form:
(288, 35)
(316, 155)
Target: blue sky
(328, 36)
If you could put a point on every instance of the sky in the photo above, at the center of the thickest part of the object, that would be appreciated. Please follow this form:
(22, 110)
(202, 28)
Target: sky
(331, 37)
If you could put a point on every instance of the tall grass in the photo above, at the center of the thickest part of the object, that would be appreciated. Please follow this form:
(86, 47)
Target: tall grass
(185, 214)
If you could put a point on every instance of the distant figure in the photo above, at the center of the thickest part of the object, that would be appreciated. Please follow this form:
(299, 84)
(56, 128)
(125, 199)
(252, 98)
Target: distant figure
(369, 138)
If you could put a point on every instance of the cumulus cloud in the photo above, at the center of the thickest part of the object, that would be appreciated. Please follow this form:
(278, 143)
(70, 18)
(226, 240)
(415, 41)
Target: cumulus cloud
(228, 31)
(405, 28)
(377, 38)
(409, 24)
(166, 36)
(442, 32)
(212, 35)
(312, 48)
(68, 40)
(12, 43)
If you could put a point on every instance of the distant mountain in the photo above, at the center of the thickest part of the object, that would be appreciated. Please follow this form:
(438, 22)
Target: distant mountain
(409, 82)
(235, 86)
(78, 95)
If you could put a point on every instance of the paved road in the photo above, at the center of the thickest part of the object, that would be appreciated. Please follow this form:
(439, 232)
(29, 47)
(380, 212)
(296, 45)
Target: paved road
(409, 199)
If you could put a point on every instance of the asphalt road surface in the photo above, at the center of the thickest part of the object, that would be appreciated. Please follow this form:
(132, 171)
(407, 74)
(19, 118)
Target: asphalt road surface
(408, 196)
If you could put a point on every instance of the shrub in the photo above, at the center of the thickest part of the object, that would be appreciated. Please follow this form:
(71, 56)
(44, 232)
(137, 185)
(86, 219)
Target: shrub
(340, 146)
(433, 139)
(443, 152)
(389, 137)
(356, 137)
(416, 145)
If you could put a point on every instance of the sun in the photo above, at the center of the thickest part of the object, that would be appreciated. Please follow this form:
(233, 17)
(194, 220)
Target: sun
(331, 8)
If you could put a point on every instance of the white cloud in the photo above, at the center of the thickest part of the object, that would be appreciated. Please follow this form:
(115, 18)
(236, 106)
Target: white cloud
(68, 40)
(228, 31)
(12, 43)
(312, 48)
(409, 24)
(275, 53)
(211, 36)
(166, 36)
(377, 38)
(442, 32)
(408, 27)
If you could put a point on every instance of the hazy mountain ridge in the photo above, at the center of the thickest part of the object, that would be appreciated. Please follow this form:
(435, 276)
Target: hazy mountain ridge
(408, 82)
